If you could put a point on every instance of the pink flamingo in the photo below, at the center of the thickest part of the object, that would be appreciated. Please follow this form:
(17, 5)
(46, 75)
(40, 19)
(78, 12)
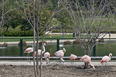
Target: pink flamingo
(106, 58)
(60, 54)
(47, 56)
(87, 59)
(72, 57)
(28, 51)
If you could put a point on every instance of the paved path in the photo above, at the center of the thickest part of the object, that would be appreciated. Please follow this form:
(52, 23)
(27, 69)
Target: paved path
(44, 63)
(54, 41)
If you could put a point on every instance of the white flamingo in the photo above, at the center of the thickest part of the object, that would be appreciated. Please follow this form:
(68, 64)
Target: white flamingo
(106, 59)
(60, 54)
(40, 51)
(47, 56)
(87, 59)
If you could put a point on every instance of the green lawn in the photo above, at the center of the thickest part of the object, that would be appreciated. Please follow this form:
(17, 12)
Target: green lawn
(30, 38)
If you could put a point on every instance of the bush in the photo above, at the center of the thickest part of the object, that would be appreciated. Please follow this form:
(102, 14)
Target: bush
(67, 42)
(76, 41)
(24, 44)
(19, 33)
(4, 45)
(101, 40)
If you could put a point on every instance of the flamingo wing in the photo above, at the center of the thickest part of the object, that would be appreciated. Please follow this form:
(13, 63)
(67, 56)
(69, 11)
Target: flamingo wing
(105, 59)
(59, 54)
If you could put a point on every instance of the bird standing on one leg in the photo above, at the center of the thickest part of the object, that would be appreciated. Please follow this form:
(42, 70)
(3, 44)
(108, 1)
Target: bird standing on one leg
(60, 54)
(47, 56)
(72, 57)
(106, 59)
(87, 59)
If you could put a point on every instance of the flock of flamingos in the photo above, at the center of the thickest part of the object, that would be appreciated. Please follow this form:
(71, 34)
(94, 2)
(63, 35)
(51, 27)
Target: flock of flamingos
(60, 54)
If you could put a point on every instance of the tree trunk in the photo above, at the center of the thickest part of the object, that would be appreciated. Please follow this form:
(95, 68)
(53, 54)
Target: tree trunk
(86, 64)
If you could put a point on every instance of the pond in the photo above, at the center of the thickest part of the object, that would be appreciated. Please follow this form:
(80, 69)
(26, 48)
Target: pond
(101, 49)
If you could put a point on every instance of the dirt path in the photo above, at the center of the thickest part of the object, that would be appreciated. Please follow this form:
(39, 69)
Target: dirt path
(57, 70)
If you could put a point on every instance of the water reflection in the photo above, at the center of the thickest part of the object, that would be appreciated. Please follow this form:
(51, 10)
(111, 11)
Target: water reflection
(101, 49)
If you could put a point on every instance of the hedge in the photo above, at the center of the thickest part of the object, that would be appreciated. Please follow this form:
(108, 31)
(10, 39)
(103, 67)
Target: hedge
(18, 33)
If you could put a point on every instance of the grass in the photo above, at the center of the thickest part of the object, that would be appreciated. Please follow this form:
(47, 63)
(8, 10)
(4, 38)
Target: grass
(30, 38)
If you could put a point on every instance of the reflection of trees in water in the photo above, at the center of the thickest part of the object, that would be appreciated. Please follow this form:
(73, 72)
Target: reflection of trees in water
(101, 49)
(10, 51)
(79, 50)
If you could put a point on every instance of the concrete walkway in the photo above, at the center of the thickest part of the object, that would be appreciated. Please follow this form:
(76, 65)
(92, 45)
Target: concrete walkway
(18, 63)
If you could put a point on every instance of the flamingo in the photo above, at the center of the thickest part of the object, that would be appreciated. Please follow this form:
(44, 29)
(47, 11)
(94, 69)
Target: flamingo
(72, 57)
(28, 51)
(60, 54)
(47, 56)
(106, 58)
(87, 59)
(40, 51)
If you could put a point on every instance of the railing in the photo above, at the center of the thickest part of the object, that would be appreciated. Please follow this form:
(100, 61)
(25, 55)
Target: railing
(58, 41)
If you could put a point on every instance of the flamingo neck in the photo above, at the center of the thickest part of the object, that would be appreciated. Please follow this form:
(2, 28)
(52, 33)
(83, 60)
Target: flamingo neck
(64, 50)
(43, 49)
(109, 56)
(92, 66)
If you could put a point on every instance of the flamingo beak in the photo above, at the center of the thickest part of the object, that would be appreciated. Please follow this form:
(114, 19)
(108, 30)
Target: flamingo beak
(48, 55)
(24, 52)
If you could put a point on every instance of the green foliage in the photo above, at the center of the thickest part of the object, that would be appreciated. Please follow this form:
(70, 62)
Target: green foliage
(19, 33)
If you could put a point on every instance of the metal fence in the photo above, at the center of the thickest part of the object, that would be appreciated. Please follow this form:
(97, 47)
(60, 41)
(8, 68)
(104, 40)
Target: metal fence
(56, 43)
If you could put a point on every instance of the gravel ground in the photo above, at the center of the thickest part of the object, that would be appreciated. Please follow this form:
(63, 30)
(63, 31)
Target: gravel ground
(57, 70)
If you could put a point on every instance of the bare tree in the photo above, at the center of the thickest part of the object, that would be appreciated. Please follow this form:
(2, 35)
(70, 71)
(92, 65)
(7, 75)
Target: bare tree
(39, 14)
(91, 19)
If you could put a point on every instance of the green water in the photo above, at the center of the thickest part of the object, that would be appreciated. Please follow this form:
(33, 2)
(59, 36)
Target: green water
(101, 49)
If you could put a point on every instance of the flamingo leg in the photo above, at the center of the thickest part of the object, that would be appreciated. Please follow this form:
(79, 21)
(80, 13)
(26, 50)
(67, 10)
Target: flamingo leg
(105, 65)
(47, 61)
(62, 60)
(102, 66)
(72, 62)
(57, 60)
(28, 59)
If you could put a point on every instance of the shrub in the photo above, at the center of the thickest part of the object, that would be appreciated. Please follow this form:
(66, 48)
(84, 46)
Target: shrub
(101, 40)
(19, 33)
(24, 44)
(67, 42)
(4, 45)
(76, 41)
